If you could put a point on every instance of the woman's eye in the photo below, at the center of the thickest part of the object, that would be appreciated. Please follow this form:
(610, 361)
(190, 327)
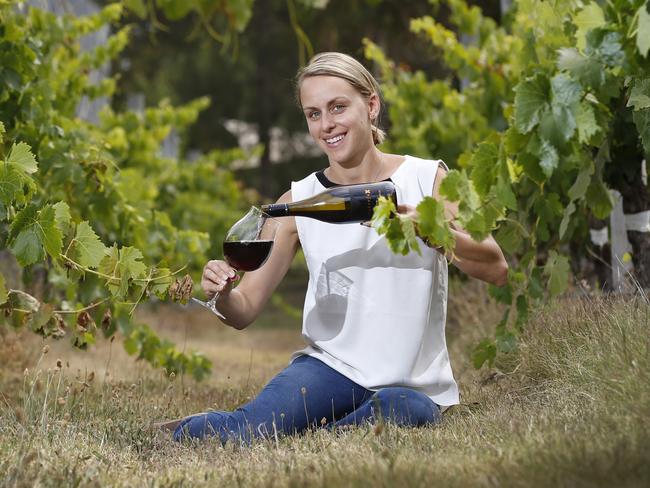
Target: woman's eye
(338, 108)
(313, 115)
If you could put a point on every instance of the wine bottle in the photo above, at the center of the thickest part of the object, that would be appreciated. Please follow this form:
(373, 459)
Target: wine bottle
(339, 204)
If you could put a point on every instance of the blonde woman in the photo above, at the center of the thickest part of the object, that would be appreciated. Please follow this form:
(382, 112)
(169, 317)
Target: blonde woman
(374, 321)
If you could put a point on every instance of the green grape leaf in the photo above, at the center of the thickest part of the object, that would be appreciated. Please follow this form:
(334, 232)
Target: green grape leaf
(484, 164)
(643, 31)
(584, 69)
(161, 280)
(531, 100)
(642, 121)
(138, 7)
(33, 232)
(605, 46)
(432, 225)
(522, 312)
(599, 199)
(640, 94)
(579, 188)
(506, 341)
(502, 294)
(504, 194)
(88, 249)
(130, 262)
(21, 156)
(3, 290)
(382, 214)
(535, 288)
(26, 247)
(49, 232)
(10, 184)
(586, 122)
(485, 351)
(565, 91)
(549, 158)
(122, 265)
(509, 237)
(557, 271)
(62, 216)
(566, 218)
(588, 18)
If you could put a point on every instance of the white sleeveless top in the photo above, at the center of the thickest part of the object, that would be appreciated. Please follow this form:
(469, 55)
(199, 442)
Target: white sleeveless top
(377, 317)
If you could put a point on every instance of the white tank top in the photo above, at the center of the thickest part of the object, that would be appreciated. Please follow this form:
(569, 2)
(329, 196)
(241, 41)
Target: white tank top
(374, 316)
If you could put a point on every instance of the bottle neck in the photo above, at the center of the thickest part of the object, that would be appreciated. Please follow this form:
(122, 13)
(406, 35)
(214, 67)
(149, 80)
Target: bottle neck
(276, 209)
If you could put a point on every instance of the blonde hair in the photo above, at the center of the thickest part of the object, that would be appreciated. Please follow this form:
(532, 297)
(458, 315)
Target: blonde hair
(345, 67)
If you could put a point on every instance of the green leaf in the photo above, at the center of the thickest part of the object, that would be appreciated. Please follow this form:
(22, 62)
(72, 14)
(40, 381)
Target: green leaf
(506, 341)
(10, 184)
(3, 290)
(27, 248)
(162, 279)
(640, 94)
(642, 121)
(49, 232)
(566, 218)
(549, 158)
(502, 294)
(586, 122)
(522, 312)
(21, 156)
(2, 132)
(130, 262)
(32, 232)
(509, 237)
(586, 70)
(643, 30)
(504, 194)
(599, 199)
(88, 249)
(588, 18)
(62, 216)
(535, 288)
(484, 163)
(557, 271)
(485, 351)
(138, 7)
(531, 100)
(580, 186)
(432, 225)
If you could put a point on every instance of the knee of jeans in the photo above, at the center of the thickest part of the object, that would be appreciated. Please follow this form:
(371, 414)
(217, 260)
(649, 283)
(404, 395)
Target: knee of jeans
(405, 406)
(200, 426)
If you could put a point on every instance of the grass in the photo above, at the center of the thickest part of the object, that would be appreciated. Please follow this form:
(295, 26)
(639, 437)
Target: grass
(570, 408)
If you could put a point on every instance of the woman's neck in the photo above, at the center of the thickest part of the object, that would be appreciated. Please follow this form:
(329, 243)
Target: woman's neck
(369, 168)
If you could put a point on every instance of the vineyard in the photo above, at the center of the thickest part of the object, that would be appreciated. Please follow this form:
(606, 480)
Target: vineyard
(542, 112)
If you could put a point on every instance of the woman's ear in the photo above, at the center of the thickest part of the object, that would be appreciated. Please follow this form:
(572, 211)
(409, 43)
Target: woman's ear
(374, 106)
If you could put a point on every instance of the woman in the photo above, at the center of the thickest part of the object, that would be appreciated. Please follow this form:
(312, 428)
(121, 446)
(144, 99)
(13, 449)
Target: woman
(373, 321)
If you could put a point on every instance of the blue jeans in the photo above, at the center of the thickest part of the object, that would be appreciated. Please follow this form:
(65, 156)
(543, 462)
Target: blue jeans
(310, 393)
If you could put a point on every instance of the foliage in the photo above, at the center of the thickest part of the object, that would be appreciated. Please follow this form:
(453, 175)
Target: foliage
(529, 131)
(93, 210)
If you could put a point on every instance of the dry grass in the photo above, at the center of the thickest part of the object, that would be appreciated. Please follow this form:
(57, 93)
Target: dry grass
(571, 408)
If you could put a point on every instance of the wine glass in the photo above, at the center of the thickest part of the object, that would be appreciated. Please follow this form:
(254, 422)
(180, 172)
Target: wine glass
(246, 247)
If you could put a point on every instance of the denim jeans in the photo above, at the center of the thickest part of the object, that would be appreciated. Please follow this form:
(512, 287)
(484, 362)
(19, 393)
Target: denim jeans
(308, 393)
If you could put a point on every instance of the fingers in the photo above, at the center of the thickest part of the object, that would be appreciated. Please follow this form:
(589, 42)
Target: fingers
(217, 277)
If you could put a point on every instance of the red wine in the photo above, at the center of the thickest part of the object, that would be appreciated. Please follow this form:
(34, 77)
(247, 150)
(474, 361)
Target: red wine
(247, 255)
(339, 204)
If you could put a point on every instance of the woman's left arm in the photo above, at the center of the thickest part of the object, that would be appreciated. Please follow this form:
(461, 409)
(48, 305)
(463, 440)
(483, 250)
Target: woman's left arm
(483, 260)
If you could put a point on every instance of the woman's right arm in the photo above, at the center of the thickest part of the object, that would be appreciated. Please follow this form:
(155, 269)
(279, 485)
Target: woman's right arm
(242, 305)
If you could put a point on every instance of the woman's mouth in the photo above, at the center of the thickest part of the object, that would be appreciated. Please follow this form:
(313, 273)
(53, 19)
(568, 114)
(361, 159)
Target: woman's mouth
(335, 141)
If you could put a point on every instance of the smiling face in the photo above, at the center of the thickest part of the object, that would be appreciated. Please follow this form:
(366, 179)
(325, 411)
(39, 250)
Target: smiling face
(338, 117)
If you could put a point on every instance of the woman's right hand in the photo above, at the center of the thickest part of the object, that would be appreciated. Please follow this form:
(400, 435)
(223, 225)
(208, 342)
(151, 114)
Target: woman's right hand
(218, 277)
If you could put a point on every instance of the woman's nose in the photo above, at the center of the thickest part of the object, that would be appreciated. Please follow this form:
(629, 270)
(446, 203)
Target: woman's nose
(327, 122)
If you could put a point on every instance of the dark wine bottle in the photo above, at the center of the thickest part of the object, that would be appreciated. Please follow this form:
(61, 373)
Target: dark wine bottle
(339, 204)
(247, 255)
